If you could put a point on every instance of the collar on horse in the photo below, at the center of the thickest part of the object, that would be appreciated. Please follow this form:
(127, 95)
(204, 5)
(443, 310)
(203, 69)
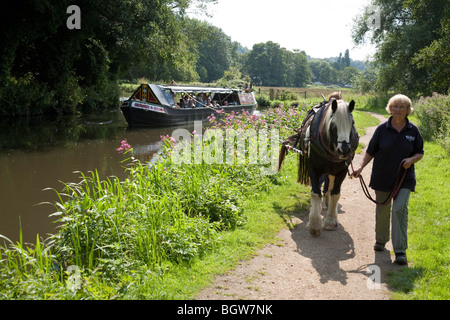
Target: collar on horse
(318, 139)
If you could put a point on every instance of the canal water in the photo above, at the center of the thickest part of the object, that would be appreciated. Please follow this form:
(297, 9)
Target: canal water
(39, 153)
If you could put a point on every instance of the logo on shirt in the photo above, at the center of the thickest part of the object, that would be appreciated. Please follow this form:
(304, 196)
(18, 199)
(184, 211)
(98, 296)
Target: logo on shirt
(410, 138)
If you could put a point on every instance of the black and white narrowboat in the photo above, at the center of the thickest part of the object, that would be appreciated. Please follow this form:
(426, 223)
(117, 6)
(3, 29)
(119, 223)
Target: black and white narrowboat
(153, 105)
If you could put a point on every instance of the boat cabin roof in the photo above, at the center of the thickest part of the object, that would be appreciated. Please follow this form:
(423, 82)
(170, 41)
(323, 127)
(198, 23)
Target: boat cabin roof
(192, 89)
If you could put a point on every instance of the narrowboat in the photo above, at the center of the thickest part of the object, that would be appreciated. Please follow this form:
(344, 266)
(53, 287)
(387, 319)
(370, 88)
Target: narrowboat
(154, 105)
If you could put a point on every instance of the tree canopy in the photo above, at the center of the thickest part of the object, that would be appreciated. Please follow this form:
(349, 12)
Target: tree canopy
(47, 67)
(413, 41)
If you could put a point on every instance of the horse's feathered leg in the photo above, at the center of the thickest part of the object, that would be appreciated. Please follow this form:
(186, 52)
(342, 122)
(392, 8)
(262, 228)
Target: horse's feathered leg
(315, 213)
(330, 220)
(315, 217)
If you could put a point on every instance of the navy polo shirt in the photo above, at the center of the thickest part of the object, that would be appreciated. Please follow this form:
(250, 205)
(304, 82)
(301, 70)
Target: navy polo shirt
(389, 147)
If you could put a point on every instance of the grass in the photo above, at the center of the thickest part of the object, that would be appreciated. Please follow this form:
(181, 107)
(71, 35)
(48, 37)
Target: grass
(428, 277)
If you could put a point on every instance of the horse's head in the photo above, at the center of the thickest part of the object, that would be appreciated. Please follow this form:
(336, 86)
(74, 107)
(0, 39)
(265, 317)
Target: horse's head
(340, 126)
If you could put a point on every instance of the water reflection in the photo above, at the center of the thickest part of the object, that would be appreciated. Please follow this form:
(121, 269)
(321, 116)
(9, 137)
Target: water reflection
(40, 153)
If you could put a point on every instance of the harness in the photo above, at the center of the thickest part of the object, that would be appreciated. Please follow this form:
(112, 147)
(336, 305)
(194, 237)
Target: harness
(311, 134)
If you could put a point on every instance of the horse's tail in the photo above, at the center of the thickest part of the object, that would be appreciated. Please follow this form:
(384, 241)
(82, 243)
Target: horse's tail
(282, 155)
(303, 174)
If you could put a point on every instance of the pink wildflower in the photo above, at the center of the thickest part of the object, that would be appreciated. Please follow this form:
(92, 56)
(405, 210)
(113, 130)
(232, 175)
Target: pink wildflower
(124, 147)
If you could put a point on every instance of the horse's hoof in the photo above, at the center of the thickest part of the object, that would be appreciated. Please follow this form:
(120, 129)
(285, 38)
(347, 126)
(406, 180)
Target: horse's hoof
(315, 232)
(330, 224)
(330, 227)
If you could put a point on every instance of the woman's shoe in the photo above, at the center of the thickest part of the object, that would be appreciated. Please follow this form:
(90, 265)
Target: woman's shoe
(378, 246)
(400, 259)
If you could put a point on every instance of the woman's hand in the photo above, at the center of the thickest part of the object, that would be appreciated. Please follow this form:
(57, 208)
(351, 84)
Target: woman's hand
(356, 173)
(408, 162)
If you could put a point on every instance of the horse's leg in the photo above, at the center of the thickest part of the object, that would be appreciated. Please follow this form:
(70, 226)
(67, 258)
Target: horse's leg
(315, 217)
(329, 186)
(330, 220)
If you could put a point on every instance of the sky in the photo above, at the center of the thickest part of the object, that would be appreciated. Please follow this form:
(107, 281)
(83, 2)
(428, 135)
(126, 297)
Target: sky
(321, 28)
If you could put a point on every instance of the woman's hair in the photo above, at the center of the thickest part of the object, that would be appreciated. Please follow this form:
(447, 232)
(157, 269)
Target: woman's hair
(400, 99)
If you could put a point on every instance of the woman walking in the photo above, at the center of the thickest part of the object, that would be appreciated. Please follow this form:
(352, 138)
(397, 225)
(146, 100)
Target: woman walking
(396, 142)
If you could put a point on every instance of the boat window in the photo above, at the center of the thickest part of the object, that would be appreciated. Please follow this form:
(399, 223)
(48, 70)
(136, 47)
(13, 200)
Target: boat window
(169, 96)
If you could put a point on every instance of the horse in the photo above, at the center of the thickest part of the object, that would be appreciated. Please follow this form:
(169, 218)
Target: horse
(328, 140)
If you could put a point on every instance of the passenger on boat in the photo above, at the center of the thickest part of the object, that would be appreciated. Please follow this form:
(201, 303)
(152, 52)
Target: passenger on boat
(185, 102)
(199, 102)
(191, 102)
(208, 103)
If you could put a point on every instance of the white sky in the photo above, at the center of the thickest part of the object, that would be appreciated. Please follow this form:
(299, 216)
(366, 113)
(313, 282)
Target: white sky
(322, 28)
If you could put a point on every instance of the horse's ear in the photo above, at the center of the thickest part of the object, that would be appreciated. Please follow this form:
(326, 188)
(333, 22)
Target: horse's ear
(334, 105)
(351, 106)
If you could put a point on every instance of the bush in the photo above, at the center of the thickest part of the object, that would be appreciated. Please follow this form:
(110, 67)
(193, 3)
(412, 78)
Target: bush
(434, 116)
(25, 97)
(263, 101)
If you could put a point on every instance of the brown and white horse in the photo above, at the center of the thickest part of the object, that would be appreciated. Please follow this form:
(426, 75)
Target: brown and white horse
(328, 140)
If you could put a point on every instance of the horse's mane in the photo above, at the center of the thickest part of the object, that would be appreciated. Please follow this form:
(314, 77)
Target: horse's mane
(341, 118)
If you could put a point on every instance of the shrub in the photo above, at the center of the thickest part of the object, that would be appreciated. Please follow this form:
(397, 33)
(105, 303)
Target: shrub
(434, 116)
(263, 101)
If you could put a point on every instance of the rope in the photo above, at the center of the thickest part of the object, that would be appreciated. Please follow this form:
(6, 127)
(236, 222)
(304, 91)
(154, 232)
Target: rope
(398, 183)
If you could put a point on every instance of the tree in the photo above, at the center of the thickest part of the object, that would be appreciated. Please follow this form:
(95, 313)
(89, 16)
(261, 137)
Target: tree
(323, 71)
(404, 29)
(214, 49)
(346, 60)
(299, 73)
(67, 69)
(270, 65)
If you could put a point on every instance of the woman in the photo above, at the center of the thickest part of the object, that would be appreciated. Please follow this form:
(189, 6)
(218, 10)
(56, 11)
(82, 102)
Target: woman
(395, 142)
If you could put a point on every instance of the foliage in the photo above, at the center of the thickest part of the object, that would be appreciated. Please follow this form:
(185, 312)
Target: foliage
(63, 69)
(405, 33)
(434, 116)
(163, 216)
(270, 65)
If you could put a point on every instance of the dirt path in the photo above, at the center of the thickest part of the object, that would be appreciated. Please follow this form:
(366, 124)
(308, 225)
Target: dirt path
(332, 266)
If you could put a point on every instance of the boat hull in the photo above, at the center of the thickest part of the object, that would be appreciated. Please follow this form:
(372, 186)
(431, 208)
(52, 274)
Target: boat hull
(138, 116)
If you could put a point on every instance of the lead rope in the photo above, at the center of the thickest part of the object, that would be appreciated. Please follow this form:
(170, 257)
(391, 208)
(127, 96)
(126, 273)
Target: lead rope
(395, 190)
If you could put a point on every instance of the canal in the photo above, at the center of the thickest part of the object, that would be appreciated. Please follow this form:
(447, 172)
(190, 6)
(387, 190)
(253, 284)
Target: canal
(38, 153)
